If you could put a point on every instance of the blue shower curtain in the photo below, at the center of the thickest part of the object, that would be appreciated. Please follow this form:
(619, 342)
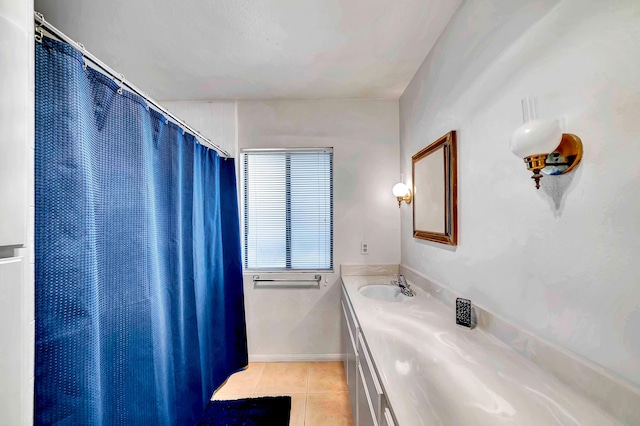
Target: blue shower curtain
(139, 301)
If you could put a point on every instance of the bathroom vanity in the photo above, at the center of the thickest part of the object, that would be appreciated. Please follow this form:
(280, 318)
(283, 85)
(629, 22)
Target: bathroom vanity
(368, 402)
(408, 363)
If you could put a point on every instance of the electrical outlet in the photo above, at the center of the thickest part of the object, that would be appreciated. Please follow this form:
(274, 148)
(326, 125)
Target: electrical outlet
(364, 248)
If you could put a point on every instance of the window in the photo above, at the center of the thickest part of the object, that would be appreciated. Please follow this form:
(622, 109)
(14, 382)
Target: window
(288, 209)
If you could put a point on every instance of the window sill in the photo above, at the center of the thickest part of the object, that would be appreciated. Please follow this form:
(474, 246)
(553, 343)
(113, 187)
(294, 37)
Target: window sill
(287, 271)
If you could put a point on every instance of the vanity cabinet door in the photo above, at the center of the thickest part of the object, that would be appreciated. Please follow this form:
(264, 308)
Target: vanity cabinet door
(345, 342)
(366, 416)
(351, 362)
(372, 383)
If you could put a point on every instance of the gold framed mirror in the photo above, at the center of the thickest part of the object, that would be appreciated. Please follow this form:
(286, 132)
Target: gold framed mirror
(435, 191)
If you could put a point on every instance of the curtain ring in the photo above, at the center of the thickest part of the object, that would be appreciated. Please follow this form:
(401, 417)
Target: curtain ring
(120, 84)
(39, 33)
(146, 102)
(84, 59)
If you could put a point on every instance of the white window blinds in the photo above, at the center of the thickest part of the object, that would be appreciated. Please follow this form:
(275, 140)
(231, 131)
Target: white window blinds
(288, 209)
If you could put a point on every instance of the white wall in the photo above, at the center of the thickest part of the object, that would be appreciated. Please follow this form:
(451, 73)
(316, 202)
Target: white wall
(16, 212)
(305, 323)
(214, 120)
(562, 261)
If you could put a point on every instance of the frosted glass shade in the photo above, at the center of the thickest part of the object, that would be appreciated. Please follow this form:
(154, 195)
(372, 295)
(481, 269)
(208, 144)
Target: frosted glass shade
(400, 190)
(536, 137)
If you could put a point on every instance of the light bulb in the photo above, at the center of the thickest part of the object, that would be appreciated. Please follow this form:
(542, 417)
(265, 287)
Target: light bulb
(400, 190)
(536, 137)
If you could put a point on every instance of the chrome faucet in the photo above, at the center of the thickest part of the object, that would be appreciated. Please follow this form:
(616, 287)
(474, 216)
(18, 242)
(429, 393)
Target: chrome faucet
(405, 287)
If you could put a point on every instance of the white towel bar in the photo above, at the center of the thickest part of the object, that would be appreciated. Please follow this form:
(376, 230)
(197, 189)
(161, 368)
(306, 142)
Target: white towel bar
(286, 282)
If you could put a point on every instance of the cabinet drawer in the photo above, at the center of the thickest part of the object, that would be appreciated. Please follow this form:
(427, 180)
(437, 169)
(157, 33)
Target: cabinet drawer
(350, 328)
(388, 418)
(371, 382)
(351, 316)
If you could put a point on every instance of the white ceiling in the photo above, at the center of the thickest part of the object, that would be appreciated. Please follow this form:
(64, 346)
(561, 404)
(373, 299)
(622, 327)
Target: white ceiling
(257, 49)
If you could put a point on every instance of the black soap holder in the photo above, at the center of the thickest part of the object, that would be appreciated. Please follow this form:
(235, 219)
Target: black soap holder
(465, 313)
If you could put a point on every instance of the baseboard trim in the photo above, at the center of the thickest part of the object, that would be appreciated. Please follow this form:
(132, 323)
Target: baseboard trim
(294, 357)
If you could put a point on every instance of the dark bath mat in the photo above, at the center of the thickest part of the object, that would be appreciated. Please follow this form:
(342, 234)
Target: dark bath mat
(267, 411)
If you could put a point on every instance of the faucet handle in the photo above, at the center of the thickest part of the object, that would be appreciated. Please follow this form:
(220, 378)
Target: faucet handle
(402, 281)
(405, 287)
(407, 291)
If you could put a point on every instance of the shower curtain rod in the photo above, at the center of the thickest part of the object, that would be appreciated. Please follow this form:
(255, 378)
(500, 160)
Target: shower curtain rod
(119, 78)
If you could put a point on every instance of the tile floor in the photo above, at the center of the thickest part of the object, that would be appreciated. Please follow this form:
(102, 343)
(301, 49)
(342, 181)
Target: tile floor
(318, 390)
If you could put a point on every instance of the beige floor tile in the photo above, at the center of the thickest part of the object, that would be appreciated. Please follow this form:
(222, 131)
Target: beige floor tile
(327, 377)
(325, 404)
(283, 377)
(243, 382)
(298, 405)
(226, 397)
(328, 409)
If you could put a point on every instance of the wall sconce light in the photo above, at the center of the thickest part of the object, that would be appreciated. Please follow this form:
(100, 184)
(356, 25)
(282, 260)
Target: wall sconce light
(402, 192)
(543, 146)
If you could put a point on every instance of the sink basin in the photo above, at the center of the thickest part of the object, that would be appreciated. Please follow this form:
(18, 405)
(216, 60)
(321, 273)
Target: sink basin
(383, 292)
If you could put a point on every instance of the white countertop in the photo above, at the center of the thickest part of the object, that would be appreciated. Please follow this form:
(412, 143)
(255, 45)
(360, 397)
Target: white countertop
(437, 373)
